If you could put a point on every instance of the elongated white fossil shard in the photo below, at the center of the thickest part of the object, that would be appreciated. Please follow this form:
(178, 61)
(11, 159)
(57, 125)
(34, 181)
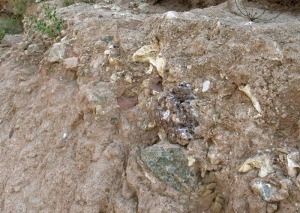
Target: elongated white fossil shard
(247, 90)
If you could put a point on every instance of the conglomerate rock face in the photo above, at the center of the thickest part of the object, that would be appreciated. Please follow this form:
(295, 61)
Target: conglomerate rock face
(176, 115)
(194, 111)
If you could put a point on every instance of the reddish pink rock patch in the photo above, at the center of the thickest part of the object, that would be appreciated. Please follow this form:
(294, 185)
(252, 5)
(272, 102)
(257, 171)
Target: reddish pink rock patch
(156, 84)
(71, 63)
(127, 102)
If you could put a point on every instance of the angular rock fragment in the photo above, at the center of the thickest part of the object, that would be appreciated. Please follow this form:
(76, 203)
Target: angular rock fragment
(35, 49)
(56, 53)
(100, 98)
(270, 192)
(293, 166)
(170, 165)
(71, 63)
(278, 172)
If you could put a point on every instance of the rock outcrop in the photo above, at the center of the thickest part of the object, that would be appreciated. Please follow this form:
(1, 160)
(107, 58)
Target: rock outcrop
(194, 111)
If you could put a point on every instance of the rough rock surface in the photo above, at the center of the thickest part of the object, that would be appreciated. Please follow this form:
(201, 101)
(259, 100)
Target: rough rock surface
(81, 117)
(176, 115)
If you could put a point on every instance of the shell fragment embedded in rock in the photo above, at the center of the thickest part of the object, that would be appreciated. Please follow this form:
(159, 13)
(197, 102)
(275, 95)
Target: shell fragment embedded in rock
(150, 54)
(160, 64)
(260, 162)
(247, 90)
(145, 53)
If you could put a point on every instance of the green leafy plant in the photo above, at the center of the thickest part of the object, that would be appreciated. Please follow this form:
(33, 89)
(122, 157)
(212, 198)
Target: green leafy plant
(2, 34)
(50, 25)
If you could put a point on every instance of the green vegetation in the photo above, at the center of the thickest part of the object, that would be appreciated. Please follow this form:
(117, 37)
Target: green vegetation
(11, 25)
(2, 34)
(66, 3)
(88, 1)
(19, 7)
(50, 25)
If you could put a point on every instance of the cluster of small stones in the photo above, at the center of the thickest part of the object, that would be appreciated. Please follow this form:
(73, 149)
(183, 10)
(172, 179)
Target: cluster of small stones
(176, 115)
(273, 186)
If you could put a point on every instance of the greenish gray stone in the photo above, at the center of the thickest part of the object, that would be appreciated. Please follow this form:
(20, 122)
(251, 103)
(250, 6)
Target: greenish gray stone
(170, 165)
(144, 7)
(107, 39)
(56, 52)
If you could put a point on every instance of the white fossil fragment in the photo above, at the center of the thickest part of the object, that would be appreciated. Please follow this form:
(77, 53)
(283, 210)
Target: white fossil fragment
(160, 63)
(151, 54)
(65, 135)
(260, 162)
(150, 70)
(205, 86)
(191, 160)
(247, 90)
(293, 168)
